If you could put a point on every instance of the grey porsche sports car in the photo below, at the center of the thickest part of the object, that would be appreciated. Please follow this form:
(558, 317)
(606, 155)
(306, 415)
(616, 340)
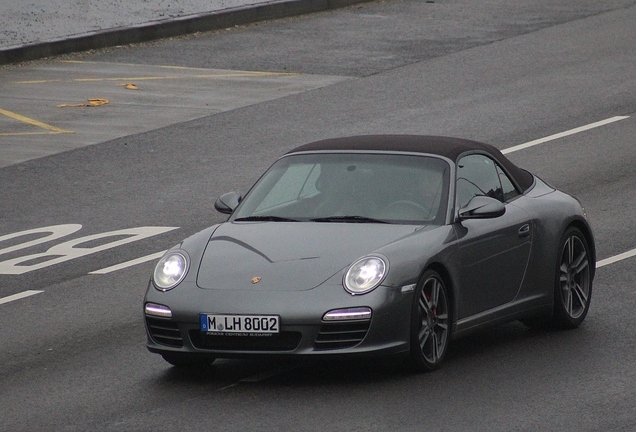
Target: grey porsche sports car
(373, 245)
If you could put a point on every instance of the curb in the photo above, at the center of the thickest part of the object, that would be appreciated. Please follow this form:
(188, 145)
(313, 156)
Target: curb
(170, 28)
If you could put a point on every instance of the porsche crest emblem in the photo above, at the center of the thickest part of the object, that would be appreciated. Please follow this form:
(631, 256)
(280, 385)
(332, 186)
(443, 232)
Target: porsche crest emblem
(256, 279)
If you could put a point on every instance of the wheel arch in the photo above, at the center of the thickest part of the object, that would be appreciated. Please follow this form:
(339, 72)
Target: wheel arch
(563, 316)
(448, 280)
(589, 237)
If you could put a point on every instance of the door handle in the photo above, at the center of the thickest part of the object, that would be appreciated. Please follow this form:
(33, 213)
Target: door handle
(524, 231)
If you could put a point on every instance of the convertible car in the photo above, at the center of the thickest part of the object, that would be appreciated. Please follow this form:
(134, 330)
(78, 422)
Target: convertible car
(373, 245)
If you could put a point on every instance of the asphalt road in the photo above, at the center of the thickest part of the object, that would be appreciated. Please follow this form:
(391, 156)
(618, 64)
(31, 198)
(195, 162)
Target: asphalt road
(73, 355)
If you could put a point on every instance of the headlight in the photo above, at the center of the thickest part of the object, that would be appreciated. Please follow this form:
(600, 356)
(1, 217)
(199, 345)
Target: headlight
(170, 270)
(365, 274)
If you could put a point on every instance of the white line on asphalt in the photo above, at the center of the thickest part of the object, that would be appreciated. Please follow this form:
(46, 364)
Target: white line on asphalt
(505, 151)
(564, 134)
(19, 296)
(129, 263)
(616, 258)
(606, 261)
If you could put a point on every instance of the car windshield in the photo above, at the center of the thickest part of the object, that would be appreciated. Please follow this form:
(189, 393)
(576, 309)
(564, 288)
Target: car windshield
(351, 188)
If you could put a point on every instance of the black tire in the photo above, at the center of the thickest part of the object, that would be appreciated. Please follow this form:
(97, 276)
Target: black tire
(430, 322)
(573, 280)
(188, 360)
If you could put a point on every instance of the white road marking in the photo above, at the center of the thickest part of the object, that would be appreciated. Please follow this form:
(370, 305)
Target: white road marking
(53, 233)
(616, 258)
(77, 248)
(606, 261)
(129, 263)
(563, 134)
(526, 145)
(19, 296)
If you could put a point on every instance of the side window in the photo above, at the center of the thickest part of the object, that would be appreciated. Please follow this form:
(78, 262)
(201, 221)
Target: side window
(509, 190)
(478, 175)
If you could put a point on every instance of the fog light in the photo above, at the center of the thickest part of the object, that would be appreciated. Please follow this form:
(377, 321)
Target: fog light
(356, 313)
(158, 310)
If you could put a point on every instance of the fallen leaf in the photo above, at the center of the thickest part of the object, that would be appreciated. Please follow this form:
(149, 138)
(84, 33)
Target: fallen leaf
(130, 86)
(91, 103)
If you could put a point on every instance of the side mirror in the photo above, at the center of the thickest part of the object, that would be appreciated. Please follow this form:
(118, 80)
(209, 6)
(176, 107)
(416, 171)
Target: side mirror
(227, 202)
(482, 207)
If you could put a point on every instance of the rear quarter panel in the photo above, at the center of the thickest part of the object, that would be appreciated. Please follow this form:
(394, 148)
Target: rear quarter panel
(552, 212)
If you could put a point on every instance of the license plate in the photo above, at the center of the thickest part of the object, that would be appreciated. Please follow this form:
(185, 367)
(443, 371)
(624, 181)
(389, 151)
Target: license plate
(240, 324)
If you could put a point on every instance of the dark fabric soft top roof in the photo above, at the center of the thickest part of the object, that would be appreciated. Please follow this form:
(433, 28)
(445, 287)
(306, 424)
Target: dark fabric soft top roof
(451, 148)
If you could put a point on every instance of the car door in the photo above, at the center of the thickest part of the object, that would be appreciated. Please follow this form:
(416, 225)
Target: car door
(493, 252)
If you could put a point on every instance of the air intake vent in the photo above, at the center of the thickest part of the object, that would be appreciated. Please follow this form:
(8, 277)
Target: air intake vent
(341, 335)
(164, 332)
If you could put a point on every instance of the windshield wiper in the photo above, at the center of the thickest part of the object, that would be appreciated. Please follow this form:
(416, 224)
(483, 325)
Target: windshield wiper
(265, 218)
(357, 219)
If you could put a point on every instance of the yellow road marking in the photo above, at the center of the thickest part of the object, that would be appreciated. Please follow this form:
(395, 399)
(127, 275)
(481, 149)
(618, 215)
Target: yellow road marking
(23, 119)
(41, 81)
(55, 130)
(166, 77)
(3, 134)
(177, 67)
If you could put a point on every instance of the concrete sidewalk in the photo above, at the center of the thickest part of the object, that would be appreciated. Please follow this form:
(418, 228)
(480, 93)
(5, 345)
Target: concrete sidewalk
(32, 29)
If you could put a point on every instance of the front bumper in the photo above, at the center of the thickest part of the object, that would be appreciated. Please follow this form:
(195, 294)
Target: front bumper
(303, 331)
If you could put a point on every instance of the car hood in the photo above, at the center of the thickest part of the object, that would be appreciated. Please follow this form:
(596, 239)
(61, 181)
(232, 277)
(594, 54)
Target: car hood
(288, 256)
